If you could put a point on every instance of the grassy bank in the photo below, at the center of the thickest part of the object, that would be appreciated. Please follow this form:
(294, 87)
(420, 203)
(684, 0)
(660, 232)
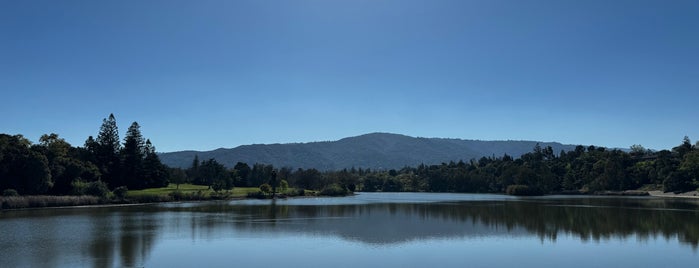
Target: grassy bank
(190, 189)
(188, 192)
(37, 201)
(183, 192)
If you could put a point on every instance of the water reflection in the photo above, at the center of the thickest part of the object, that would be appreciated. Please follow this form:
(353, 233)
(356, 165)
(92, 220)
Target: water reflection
(387, 223)
(96, 237)
(127, 236)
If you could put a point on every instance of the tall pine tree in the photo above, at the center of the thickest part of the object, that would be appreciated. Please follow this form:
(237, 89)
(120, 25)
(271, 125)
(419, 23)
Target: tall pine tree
(132, 155)
(155, 172)
(107, 152)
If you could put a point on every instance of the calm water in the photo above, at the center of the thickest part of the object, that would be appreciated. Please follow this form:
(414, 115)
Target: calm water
(366, 230)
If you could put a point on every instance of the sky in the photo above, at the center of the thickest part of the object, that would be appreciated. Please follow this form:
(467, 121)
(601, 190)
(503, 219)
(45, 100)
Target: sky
(200, 75)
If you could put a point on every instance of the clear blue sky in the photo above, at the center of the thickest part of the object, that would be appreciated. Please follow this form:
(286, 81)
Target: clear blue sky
(208, 74)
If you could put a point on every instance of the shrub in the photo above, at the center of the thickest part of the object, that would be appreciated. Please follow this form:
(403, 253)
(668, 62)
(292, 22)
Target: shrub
(295, 192)
(258, 195)
(150, 198)
(176, 195)
(519, 189)
(78, 187)
(678, 182)
(265, 188)
(97, 188)
(33, 201)
(334, 190)
(10, 192)
(220, 195)
(284, 185)
(198, 195)
(218, 185)
(120, 192)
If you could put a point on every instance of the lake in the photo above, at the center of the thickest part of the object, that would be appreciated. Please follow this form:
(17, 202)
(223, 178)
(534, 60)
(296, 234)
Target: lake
(365, 230)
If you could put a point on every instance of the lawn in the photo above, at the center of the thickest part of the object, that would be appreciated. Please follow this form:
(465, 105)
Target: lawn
(188, 188)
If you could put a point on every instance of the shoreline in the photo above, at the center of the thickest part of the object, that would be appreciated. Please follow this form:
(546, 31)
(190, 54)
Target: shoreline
(106, 204)
(94, 202)
(686, 195)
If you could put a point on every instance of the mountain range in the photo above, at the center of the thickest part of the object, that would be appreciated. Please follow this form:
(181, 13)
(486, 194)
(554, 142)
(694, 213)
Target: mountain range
(374, 150)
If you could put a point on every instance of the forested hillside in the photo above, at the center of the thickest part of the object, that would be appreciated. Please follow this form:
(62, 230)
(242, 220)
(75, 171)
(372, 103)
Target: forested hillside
(105, 163)
(374, 151)
(542, 171)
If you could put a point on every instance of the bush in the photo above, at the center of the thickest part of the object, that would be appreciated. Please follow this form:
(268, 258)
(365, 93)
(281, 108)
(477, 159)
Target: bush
(10, 192)
(295, 192)
(198, 195)
(176, 195)
(97, 188)
(265, 188)
(678, 182)
(150, 198)
(258, 195)
(334, 190)
(120, 192)
(35, 201)
(220, 195)
(524, 190)
(284, 185)
(218, 185)
(78, 187)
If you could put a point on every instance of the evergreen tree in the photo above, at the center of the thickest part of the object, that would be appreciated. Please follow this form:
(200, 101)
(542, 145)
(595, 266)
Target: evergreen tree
(108, 138)
(89, 151)
(243, 174)
(132, 156)
(683, 148)
(211, 172)
(193, 171)
(273, 182)
(107, 152)
(155, 172)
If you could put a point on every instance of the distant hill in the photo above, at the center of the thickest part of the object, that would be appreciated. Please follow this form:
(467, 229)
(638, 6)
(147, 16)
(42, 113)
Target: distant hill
(375, 151)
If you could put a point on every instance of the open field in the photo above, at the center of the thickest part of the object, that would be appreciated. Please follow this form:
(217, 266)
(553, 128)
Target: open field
(205, 191)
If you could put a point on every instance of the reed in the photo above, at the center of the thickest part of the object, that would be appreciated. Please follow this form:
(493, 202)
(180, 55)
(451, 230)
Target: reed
(34, 201)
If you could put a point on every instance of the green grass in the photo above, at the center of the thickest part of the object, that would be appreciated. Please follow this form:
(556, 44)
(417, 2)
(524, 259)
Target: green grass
(243, 191)
(187, 192)
(185, 188)
(188, 188)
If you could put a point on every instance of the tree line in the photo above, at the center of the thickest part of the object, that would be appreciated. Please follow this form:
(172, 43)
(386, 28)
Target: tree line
(53, 166)
(583, 170)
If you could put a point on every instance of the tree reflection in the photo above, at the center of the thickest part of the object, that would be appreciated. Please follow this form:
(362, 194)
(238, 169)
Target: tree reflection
(592, 219)
(129, 234)
(589, 219)
(125, 236)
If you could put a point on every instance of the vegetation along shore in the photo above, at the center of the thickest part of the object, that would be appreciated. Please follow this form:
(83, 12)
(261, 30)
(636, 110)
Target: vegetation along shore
(107, 170)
